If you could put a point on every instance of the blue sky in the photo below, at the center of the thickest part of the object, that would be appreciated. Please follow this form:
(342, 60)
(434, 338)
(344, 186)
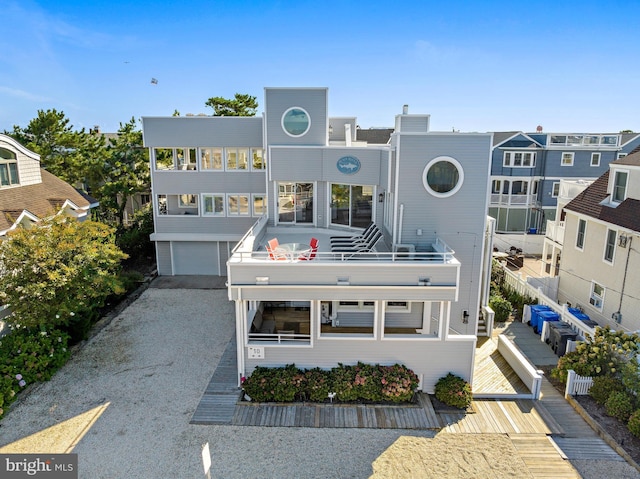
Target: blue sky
(474, 66)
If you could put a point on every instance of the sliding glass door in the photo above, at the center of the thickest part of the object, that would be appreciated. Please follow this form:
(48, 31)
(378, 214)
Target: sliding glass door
(351, 205)
(295, 203)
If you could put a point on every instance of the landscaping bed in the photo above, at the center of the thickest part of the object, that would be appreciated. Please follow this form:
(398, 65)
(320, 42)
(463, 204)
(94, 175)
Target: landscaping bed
(612, 426)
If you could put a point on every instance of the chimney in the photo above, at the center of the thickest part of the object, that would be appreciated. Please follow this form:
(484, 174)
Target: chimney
(405, 109)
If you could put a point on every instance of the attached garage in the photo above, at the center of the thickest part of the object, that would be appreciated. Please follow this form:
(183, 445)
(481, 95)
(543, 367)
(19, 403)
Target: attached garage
(195, 257)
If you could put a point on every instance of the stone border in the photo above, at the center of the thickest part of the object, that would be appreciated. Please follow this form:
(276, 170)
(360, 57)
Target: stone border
(601, 432)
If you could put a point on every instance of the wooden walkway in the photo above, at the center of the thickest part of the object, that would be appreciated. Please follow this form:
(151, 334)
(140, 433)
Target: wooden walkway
(547, 433)
(492, 375)
(218, 403)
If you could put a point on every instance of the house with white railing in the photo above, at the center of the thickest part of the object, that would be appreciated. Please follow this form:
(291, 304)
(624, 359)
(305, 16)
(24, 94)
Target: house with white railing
(336, 249)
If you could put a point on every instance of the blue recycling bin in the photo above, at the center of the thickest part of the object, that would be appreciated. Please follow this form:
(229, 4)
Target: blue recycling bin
(545, 316)
(535, 309)
(579, 314)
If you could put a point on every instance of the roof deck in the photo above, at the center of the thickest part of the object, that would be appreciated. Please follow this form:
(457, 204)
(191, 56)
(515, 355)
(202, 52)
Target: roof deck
(425, 267)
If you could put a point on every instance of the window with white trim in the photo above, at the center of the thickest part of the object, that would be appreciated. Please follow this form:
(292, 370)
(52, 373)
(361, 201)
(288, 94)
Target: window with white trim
(211, 158)
(8, 168)
(610, 245)
(356, 305)
(596, 298)
(595, 159)
(257, 156)
(238, 205)
(237, 158)
(213, 204)
(580, 236)
(555, 189)
(259, 203)
(519, 159)
(619, 186)
(177, 205)
(398, 306)
(621, 155)
(567, 159)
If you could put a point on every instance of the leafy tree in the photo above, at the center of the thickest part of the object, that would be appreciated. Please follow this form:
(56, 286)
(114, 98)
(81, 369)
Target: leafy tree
(61, 269)
(62, 150)
(125, 172)
(241, 105)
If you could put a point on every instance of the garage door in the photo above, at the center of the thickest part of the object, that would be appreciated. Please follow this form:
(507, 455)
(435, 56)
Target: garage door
(195, 258)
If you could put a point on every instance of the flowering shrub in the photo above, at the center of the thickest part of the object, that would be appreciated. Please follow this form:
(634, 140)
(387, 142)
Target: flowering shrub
(454, 391)
(28, 356)
(362, 382)
(604, 354)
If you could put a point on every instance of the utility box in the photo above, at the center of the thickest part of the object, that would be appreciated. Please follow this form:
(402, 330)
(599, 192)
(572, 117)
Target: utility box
(404, 251)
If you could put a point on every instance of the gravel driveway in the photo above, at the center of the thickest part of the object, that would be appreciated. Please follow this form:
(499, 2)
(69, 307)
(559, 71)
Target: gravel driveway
(124, 401)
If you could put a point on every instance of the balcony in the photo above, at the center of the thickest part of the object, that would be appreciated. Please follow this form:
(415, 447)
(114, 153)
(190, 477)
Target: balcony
(555, 231)
(500, 199)
(428, 273)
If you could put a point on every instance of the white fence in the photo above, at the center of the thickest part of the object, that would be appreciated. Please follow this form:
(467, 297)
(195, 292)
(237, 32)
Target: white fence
(577, 385)
(529, 375)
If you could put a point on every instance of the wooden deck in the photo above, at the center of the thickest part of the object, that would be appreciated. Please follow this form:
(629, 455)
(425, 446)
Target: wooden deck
(492, 375)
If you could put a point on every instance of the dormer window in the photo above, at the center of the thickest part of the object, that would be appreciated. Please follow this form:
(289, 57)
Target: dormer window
(8, 168)
(619, 186)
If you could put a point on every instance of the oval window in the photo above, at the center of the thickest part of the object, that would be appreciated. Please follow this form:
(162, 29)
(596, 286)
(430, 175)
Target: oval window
(296, 121)
(443, 176)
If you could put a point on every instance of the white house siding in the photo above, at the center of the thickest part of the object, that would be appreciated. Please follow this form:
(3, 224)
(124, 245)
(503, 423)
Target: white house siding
(430, 359)
(458, 220)
(587, 265)
(312, 100)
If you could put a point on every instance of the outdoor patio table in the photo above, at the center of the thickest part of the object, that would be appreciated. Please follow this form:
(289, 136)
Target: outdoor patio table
(293, 250)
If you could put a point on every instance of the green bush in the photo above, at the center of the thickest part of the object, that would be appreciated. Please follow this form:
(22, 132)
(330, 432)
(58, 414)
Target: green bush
(634, 423)
(619, 405)
(29, 356)
(361, 382)
(604, 354)
(454, 391)
(501, 307)
(603, 387)
(317, 384)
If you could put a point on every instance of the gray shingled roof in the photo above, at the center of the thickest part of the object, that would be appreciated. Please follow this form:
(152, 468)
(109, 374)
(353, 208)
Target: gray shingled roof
(378, 136)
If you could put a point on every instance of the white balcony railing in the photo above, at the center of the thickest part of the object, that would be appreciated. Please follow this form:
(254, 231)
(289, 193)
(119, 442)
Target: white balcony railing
(555, 231)
(512, 200)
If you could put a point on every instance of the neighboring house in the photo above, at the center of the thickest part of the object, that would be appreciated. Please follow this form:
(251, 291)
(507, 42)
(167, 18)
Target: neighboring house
(414, 292)
(554, 231)
(526, 169)
(28, 193)
(600, 266)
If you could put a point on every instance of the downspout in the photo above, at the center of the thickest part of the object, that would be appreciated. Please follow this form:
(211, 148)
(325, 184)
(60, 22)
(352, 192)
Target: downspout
(618, 314)
(400, 222)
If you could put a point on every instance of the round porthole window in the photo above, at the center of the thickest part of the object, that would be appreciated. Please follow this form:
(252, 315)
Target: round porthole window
(296, 121)
(443, 176)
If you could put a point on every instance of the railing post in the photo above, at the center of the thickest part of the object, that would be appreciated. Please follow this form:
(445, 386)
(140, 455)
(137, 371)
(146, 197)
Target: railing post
(571, 377)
